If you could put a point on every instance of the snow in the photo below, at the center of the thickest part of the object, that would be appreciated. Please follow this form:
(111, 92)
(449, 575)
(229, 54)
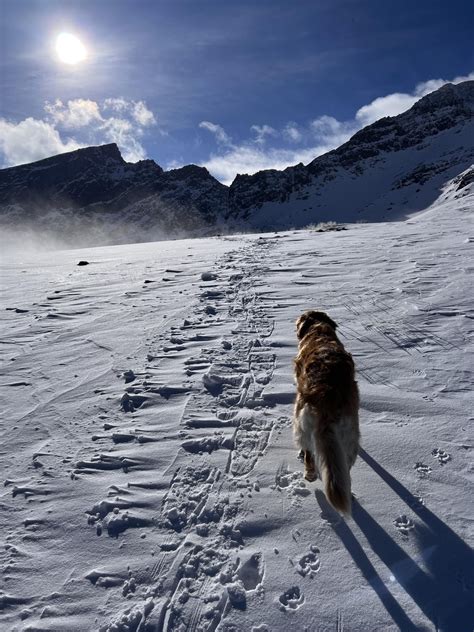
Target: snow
(150, 477)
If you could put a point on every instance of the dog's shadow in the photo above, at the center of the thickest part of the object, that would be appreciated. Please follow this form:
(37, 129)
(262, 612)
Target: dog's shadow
(442, 590)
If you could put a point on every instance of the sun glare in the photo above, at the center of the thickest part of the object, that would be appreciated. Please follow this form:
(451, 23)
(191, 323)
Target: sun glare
(70, 49)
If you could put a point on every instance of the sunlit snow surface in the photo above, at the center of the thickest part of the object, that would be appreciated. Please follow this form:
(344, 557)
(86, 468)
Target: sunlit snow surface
(150, 479)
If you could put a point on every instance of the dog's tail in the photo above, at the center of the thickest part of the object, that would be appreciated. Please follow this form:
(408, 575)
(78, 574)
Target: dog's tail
(333, 466)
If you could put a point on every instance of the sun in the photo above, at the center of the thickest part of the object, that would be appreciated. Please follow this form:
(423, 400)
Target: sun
(70, 49)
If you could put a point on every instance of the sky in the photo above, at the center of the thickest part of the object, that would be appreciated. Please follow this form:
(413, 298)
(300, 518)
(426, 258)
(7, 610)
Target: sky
(236, 86)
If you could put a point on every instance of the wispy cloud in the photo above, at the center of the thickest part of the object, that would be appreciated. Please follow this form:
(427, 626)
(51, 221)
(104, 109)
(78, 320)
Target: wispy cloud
(76, 123)
(221, 137)
(295, 143)
(136, 109)
(262, 131)
(142, 115)
(292, 133)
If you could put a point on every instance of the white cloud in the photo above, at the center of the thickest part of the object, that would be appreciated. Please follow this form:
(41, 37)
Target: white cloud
(142, 115)
(77, 113)
(391, 105)
(262, 131)
(329, 131)
(137, 110)
(218, 132)
(118, 104)
(123, 132)
(292, 133)
(31, 140)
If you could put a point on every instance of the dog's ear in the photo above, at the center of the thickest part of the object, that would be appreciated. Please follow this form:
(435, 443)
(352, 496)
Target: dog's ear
(324, 318)
(303, 324)
(307, 320)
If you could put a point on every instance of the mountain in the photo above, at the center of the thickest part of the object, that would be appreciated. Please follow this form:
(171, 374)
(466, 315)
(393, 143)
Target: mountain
(94, 189)
(387, 170)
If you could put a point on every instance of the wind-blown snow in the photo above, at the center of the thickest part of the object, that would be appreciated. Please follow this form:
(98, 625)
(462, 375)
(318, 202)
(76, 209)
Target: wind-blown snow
(150, 479)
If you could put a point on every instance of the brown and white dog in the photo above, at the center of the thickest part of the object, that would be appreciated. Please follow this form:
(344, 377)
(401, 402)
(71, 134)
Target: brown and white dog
(326, 417)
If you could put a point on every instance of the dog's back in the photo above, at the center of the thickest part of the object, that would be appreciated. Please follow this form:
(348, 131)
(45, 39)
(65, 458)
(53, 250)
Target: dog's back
(327, 405)
(325, 371)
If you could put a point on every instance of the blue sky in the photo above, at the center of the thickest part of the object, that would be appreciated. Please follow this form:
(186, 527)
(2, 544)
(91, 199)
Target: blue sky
(236, 86)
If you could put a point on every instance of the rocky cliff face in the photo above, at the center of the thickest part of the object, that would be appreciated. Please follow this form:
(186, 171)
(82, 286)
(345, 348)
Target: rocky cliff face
(387, 170)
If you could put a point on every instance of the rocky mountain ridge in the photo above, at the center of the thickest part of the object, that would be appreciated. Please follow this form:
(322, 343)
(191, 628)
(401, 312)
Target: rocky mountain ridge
(387, 170)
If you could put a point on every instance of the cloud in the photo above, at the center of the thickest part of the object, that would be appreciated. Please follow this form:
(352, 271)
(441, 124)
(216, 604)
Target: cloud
(391, 105)
(118, 104)
(218, 132)
(329, 131)
(123, 132)
(262, 131)
(31, 140)
(137, 110)
(292, 133)
(77, 113)
(115, 120)
(142, 115)
(313, 139)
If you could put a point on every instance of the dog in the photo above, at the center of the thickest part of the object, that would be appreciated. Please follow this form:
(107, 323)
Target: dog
(326, 414)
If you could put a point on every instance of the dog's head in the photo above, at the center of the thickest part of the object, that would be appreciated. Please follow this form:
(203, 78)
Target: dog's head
(308, 319)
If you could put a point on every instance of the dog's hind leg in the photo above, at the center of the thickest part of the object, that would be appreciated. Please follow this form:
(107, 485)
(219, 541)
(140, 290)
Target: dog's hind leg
(297, 431)
(310, 471)
(304, 424)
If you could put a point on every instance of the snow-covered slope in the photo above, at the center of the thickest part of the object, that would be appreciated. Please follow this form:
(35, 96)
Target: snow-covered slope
(388, 170)
(150, 479)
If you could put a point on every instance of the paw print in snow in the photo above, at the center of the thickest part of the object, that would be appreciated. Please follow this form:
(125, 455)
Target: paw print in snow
(404, 525)
(310, 563)
(421, 468)
(292, 599)
(442, 456)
